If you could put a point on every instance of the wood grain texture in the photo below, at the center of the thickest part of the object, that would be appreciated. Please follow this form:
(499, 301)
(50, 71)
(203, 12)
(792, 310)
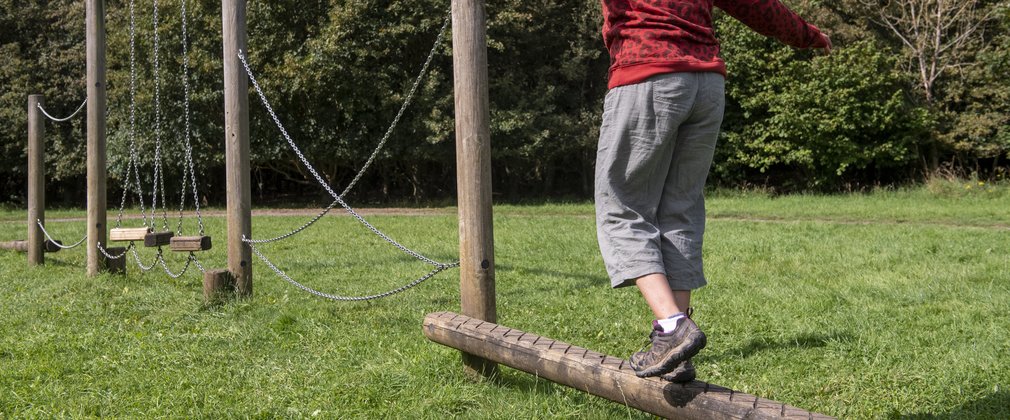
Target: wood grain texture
(155, 239)
(96, 160)
(599, 374)
(236, 131)
(473, 170)
(129, 234)
(217, 286)
(190, 243)
(36, 181)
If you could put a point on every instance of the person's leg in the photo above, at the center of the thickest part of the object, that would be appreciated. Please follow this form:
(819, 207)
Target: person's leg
(633, 158)
(663, 301)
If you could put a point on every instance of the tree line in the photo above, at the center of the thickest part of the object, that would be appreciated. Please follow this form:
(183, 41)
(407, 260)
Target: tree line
(914, 88)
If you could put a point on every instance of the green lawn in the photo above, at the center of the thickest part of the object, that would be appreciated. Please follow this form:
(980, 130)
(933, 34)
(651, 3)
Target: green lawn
(889, 304)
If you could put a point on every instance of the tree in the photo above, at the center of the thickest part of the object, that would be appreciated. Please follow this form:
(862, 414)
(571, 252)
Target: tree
(935, 34)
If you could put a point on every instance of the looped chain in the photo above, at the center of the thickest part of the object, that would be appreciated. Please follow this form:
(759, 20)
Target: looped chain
(53, 241)
(280, 273)
(375, 153)
(62, 119)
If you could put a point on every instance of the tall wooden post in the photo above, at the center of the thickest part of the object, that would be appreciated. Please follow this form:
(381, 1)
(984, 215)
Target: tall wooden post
(473, 171)
(236, 131)
(36, 181)
(95, 51)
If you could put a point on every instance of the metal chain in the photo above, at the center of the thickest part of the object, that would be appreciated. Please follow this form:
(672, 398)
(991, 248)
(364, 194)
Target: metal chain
(375, 153)
(62, 119)
(159, 176)
(136, 256)
(133, 164)
(114, 257)
(187, 146)
(164, 266)
(315, 174)
(438, 268)
(196, 262)
(54, 242)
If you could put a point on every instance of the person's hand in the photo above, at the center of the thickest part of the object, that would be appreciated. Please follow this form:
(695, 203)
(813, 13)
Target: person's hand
(827, 43)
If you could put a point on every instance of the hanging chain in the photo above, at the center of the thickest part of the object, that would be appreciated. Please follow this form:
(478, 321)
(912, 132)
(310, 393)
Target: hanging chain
(105, 252)
(133, 164)
(62, 119)
(280, 273)
(190, 168)
(315, 174)
(54, 242)
(159, 176)
(375, 153)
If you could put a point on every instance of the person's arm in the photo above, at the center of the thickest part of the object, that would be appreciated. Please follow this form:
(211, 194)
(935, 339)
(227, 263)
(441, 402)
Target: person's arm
(773, 19)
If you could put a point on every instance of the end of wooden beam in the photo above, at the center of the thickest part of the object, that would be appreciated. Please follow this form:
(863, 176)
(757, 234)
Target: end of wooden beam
(218, 286)
(190, 243)
(154, 239)
(118, 265)
(52, 246)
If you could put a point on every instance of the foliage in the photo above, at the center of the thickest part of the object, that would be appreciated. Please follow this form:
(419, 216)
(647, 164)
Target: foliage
(337, 71)
(814, 123)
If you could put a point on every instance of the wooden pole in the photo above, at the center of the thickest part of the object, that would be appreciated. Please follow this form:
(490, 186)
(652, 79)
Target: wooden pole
(36, 181)
(473, 171)
(95, 51)
(601, 375)
(236, 131)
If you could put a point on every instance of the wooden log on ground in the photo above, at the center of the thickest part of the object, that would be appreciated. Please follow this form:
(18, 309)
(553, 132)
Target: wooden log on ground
(190, 243)
(154, 239)
(128, 234)
(217, 286)
(599, 374)
(115, 266)
(22, 246)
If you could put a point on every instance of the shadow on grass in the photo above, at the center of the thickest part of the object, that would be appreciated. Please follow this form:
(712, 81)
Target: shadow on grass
(585, 280)
(994, 406)
(804, 340)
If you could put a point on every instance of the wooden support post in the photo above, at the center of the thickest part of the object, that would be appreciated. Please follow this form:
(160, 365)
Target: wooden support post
(473, 171)
(599, 374)
(217, 285)
(236, 131)
(95, 52)
(116, 266)
(36, 181)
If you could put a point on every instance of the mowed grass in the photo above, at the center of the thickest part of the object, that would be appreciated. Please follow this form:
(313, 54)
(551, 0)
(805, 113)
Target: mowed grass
(844, 305)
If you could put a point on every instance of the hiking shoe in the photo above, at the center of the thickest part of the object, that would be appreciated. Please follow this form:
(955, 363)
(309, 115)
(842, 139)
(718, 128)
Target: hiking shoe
(684, 372)
(668, 349)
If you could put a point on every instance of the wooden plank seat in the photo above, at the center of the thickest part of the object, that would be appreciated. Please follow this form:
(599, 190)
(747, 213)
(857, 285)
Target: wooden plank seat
(128, 234)
(148, 236)
(190, 243)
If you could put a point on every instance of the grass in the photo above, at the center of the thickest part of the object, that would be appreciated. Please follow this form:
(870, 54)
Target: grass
(888, 304)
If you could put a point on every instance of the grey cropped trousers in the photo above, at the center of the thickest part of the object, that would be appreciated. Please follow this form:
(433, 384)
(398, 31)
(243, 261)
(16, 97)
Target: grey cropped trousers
(656, 146)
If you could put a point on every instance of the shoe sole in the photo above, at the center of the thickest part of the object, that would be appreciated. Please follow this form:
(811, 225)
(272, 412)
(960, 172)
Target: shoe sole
(676, 356)
(683, 377)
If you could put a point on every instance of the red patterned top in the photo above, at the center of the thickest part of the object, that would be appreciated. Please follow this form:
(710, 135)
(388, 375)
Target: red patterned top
(650, 37)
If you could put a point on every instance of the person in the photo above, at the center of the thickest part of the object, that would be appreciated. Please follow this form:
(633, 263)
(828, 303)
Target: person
(661, 120)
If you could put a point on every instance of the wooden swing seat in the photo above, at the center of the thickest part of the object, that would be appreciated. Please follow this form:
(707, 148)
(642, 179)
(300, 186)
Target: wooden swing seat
(190, 243)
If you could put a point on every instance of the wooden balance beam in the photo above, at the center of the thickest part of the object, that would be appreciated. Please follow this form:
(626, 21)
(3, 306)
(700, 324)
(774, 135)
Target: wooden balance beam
(22, 246)
(599, 374)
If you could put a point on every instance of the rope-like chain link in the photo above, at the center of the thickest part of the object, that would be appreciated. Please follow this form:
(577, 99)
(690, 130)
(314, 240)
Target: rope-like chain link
(39, 106)
(375, 153)
(53, 241)
(106, 253)
(280, 273)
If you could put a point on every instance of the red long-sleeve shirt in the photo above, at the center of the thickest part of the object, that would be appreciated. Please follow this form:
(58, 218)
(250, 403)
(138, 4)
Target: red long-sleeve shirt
(650, 37)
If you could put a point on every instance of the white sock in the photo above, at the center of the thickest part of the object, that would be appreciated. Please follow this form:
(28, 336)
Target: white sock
(670, 323)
